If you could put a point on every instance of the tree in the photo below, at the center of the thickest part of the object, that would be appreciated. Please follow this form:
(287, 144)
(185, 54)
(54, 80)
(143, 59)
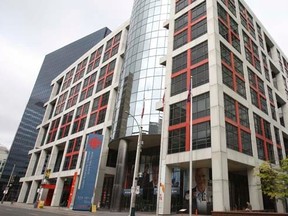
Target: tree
(274, 181)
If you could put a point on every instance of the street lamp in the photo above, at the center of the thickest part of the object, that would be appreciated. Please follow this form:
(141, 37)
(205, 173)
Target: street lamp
(8, 184)
(136, 167)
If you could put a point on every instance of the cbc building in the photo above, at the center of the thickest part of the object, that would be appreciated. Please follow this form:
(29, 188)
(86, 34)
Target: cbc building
(204, 82)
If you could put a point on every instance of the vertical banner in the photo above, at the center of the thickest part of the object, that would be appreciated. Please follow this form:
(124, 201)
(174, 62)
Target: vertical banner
(86, 186)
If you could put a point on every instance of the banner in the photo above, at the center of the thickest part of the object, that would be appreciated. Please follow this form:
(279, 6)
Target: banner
(85, 190)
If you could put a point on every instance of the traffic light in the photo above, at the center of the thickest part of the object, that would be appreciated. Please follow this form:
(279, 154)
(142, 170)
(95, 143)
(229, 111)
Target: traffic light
(47, 173)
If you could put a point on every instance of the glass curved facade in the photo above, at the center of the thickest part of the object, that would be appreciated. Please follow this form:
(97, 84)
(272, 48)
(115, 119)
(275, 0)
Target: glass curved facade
(142, 78)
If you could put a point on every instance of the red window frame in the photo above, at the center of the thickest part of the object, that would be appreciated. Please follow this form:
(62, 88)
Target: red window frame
(80, 119)
(68, 79)
(96, 110)
(266, 141)
(61, 103)
(53, 130)
(80, 70)
(73, 96)
(88, 86)
(227, 24)
(95, 59)
(73, 152)
(238, 125)
(112, 47)
(190, 23)
(249, 25)
(65, 125)
(254, 55)
(256, 88)
(104, 76)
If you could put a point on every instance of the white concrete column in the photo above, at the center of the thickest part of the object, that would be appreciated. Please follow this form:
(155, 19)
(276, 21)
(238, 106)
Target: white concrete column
(164, 203)
(219, 162)
(53, 158)
(32, 164)
(280, 206)
(57, 192)
(23, 192)
(32, 192)
(255, 193)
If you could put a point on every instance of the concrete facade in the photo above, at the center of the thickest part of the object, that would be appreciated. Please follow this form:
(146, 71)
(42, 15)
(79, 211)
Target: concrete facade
(238, 102)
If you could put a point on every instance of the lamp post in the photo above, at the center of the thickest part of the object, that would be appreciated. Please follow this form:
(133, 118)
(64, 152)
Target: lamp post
(8, 184)
(136, 167)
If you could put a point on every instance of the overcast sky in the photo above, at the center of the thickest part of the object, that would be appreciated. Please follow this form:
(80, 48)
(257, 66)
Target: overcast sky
(33, 28)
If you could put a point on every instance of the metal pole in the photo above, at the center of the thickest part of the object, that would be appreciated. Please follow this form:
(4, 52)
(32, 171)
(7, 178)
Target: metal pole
(136, 167)
(7, 187)
(190, 153)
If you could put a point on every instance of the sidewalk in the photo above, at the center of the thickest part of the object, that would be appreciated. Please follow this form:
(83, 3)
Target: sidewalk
(66, 211)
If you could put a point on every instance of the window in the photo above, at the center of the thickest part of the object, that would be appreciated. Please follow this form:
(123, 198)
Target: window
(72, 154)
(251, 52)
(227, 77)
(230, 4)
(94, 59)
(271, 153)
(198, 11)
(88, 86)
(200, 75)
(80, 118)
(243, 115)
(228, 28)
(267, 130)
(73, 96)
(260, 149)
(112, 47)
(240, 85)
(53, 130)
(201, 135)
(181, 22)
(232, 137)
(201, 106)
(179, 62)
(61, 103)
(180, 5)
(257, 90)
(65, 125)
(257, 124)
(178, 84)
(68, 79)
(230, 107)
(180, 39)
(199, 29)
(247, 20)
(232, 71)
(199, 53)
(246, 143)
(177, 113)
(99, 108)
(80, 70)
(176, 140)
(105, 76)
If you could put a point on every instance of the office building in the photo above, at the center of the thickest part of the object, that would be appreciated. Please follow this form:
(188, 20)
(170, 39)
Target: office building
(54, 63)
(189, 74)
(3, 157)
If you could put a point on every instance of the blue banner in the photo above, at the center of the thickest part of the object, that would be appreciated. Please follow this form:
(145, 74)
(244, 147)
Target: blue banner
(85, 190)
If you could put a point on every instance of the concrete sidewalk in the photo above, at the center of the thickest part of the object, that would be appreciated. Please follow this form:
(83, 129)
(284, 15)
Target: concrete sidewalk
(70, 212)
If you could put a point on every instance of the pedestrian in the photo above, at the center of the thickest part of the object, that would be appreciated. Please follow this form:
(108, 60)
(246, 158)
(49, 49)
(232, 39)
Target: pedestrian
(248, 207)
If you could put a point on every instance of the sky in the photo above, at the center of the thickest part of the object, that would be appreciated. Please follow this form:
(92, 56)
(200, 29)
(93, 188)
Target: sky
(33, 28)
